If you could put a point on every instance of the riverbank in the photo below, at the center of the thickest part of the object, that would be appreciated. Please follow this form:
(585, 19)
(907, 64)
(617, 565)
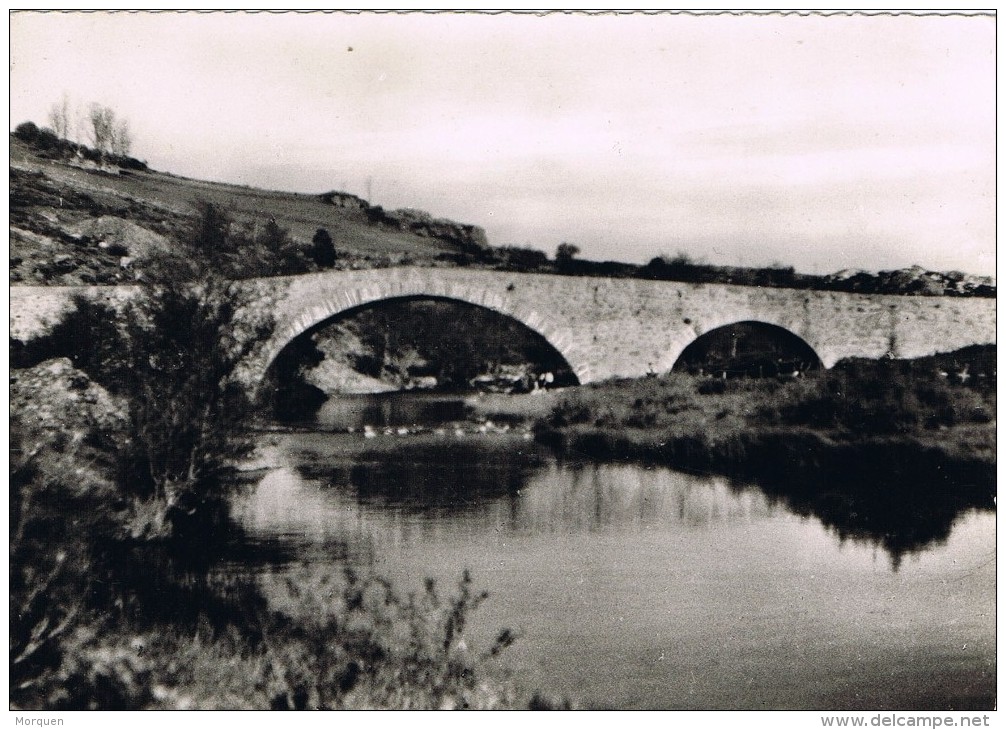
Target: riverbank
(928, 422)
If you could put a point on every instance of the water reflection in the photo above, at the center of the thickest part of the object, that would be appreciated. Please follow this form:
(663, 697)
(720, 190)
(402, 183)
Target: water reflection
(754, 596)
(597, 498)
(424, 473)
(900, 518)
(511, 494)
(445, 475)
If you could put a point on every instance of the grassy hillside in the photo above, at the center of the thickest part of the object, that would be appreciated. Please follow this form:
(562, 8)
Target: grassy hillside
(74, 223)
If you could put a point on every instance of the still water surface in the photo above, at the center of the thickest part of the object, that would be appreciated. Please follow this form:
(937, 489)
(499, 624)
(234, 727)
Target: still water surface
(633, 586)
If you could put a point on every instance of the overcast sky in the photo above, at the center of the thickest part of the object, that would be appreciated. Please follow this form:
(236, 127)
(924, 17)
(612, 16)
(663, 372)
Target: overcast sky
(819, 142)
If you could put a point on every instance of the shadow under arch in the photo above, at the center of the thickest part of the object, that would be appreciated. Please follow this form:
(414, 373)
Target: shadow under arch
(464, 345)
(748, 348)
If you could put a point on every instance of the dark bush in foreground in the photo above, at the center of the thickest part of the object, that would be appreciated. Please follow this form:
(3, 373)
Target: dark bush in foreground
(106, 610)
(172, 354)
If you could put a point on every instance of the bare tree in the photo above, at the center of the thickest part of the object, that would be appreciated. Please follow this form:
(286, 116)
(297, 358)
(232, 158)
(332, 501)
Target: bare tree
(107, 133)
(122, 139)
(59, 118)
(81, 125)
(102, 127)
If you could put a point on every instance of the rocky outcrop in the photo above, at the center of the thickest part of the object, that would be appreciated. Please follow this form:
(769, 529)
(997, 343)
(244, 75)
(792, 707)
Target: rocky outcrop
(62, 234)
(335, 374)
(55, 395)
(62, 414)
(344, 200)
(913, 281)
(468, 238)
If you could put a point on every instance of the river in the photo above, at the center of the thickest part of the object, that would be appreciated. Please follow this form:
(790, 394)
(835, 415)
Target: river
(636, 587)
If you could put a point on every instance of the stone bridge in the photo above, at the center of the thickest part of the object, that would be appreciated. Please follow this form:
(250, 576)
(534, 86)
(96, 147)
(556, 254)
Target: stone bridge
(603, 327)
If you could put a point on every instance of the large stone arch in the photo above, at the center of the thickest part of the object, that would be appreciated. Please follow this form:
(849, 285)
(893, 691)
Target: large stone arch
(292, 321)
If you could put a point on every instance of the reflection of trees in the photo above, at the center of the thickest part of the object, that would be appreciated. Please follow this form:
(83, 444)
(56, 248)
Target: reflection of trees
(899, 517)
(590, 497)
(902, 511)
(901, 524)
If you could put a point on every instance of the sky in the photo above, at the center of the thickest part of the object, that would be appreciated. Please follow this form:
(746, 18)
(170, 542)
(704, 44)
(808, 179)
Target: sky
(823, 143)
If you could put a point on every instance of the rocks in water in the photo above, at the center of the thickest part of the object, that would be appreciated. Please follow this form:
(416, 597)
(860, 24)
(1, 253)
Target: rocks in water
(459, 430)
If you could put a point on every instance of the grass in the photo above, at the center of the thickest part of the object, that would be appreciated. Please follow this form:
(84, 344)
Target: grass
(61, 213)
(344, 642)
(355, 644)
(862, 420)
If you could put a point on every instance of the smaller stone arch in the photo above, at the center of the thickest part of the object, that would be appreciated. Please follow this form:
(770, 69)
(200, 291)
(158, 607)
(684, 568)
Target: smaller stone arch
(748, 347)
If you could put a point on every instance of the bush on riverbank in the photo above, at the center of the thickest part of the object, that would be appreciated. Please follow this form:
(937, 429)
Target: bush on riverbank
(345, 642)
(107, 613)
(171, 358)
(100, 622)
(886, 419)
(187, 413)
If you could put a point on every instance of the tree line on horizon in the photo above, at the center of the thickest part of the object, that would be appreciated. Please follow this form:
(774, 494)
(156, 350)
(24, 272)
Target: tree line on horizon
(95, 132)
